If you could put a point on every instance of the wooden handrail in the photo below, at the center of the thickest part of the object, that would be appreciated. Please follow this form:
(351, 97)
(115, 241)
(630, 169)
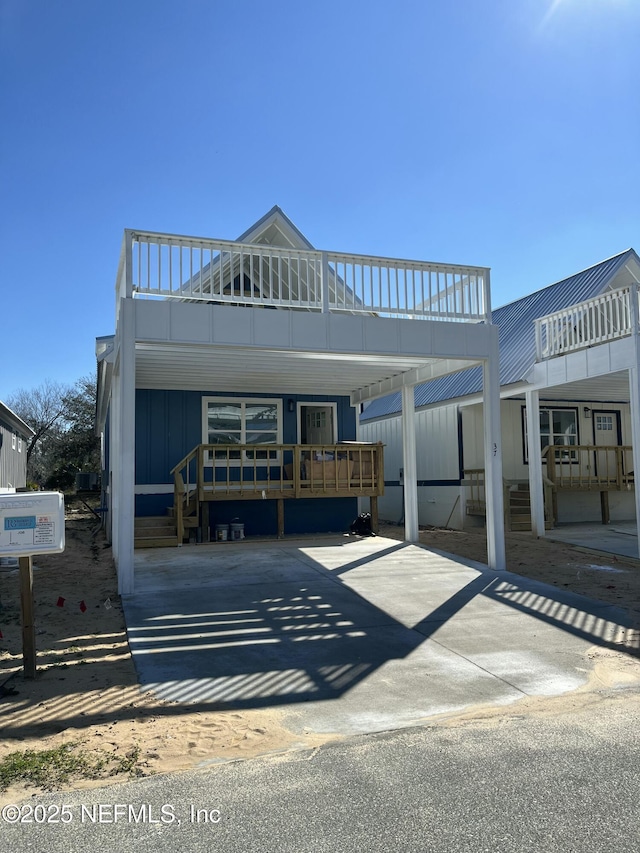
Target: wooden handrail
(178, 502)
(183, 462)
(273, 471)
(589, 466)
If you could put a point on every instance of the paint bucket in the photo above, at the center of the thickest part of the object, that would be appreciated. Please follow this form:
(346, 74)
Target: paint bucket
(237, 531)
(222, 532)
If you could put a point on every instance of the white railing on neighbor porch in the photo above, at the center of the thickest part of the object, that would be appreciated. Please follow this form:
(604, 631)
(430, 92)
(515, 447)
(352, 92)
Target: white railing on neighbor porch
(221, 271)
(605, 318)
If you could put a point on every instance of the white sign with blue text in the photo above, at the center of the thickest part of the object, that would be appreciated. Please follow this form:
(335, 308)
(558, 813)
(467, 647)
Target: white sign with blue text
(31, 523)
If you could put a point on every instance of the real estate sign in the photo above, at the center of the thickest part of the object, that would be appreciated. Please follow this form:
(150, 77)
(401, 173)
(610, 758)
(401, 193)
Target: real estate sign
(31, 523)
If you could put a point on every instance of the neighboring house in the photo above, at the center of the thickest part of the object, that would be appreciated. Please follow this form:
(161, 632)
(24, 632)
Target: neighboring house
(15, 436)
(231, 388)
(567, 351)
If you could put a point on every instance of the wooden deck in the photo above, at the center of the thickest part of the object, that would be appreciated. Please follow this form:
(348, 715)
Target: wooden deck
(222, 472)
(589, 468)
(569, 468)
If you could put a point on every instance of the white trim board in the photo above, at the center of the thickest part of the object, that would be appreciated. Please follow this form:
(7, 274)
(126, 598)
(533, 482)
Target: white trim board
(154, 489)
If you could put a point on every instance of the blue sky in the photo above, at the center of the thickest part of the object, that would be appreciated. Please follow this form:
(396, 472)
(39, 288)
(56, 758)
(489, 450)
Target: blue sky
(503, 133)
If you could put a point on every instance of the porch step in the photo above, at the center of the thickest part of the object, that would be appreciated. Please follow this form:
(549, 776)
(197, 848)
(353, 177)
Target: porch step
(520, 509)
(155, 542)
(155, 532)
(154, 521)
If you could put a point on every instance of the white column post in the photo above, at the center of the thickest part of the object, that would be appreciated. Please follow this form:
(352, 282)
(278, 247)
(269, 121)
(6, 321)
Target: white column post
(114, 456)
(493, 485)
(356, 410)
(411, 532)
(534, 453)
(128, 263)
(125, 425)
(325, 283)
(634, 400)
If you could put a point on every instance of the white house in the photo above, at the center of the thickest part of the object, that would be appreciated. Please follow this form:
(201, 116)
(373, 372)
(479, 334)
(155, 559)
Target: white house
(232, 383)
(568, 388)
(15, 436)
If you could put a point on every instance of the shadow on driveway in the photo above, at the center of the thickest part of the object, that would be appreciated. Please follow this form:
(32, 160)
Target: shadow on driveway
(396, 632)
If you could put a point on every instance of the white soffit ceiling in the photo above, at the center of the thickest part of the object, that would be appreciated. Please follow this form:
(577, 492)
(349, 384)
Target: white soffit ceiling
(612, 387)
(273, 371)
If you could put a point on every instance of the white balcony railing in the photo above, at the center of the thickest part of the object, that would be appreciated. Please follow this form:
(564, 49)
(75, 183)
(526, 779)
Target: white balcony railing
(605, 318)
(172, 267)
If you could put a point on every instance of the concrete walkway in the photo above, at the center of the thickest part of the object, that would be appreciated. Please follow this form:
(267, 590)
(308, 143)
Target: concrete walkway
(616, 538)
(353, 635)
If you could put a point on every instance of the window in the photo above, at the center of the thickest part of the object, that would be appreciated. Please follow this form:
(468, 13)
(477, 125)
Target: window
(13, 441)
(557, 427)
(604, 423)
(19, 445)
(318, 420)
(233, 420)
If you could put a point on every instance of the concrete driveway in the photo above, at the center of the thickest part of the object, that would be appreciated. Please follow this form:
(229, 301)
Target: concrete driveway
(354, 635)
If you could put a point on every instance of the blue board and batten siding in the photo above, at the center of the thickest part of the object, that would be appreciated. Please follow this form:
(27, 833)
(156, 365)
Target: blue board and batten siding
(169, 426)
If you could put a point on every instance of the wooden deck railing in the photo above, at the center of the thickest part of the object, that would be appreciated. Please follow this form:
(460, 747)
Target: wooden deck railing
(475, 503)
(569, 467)
(217, 472)
(590, 467)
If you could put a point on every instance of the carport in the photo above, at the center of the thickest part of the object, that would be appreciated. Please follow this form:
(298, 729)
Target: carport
(390, 632)
(269, 314)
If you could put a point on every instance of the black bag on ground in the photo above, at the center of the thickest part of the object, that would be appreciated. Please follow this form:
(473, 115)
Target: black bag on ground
(361, 526)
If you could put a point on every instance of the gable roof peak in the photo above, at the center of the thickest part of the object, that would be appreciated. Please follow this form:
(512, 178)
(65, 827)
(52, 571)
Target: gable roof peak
(275, 228)
(617, 256)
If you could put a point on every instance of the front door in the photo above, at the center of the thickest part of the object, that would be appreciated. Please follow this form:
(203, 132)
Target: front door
(607, 433)
(317, 424)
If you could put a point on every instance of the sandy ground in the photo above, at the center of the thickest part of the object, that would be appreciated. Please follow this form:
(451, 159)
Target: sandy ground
(86, 690)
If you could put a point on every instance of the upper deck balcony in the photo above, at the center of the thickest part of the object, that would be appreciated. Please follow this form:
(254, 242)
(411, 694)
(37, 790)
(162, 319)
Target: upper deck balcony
(608, 317)
(171, 267)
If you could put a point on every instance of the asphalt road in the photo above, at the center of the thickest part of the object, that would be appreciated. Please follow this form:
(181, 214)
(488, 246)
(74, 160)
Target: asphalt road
(548, 781)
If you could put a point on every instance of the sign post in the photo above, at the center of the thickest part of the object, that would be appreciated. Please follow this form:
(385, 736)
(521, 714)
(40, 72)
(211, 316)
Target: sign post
(30, 523)
(28, 621)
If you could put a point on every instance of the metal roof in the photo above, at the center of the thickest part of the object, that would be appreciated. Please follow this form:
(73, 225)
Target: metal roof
(9, 417)
(516, 336)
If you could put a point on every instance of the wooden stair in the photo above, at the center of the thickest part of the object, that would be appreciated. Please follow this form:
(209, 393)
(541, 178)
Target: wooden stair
(189, 520)
(519, 508)
(155, 531)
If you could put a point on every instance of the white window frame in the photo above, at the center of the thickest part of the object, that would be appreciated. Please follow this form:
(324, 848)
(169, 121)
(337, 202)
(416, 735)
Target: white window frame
(570, 455)
(244, 460)
(13, 440)
(19, 444)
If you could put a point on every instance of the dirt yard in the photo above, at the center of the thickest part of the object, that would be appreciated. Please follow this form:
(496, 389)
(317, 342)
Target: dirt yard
(86, 692)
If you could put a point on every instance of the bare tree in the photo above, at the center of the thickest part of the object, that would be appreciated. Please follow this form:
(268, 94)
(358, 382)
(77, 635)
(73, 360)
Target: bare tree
(63, 418)
(40, 408)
